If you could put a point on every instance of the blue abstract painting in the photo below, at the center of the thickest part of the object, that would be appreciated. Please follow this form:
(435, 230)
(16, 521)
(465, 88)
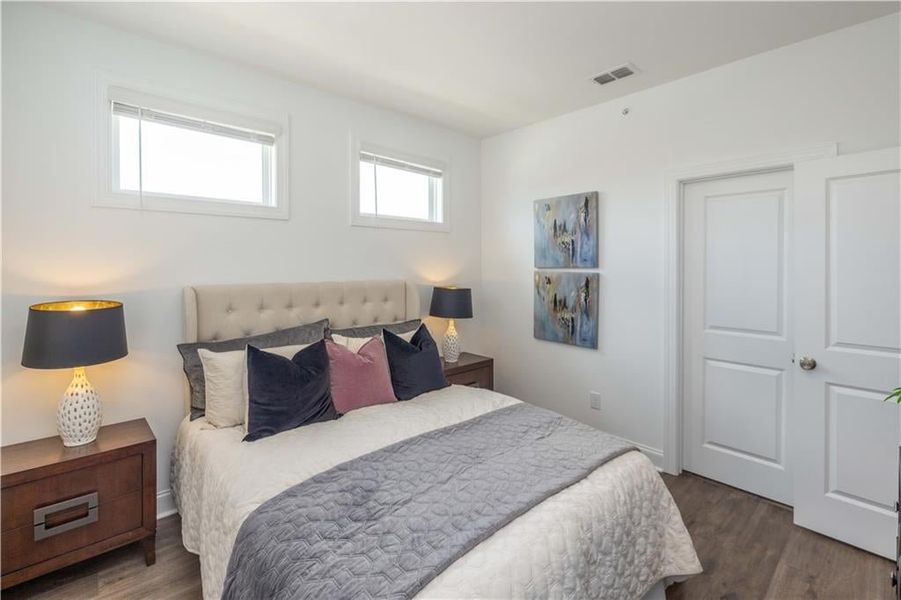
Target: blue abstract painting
(566, 232)
(566, 307)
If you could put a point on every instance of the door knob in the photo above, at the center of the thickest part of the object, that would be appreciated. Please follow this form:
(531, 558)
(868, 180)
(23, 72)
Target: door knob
(807, 363)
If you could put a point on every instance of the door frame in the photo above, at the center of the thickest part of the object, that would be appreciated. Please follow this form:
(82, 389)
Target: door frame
(674, 183)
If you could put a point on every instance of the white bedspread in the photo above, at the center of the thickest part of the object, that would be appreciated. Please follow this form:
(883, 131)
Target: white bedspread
(613, 535)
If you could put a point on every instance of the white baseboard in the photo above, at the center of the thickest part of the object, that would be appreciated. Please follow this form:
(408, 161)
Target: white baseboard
(655, 454)
(165, 504)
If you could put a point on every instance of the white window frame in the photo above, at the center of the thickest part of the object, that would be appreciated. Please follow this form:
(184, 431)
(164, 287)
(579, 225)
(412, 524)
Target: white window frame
(364, 220)
(196, 108)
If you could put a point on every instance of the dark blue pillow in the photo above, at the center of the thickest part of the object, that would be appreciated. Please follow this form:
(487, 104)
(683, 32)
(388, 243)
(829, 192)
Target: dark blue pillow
(415, 365)
(284, 394)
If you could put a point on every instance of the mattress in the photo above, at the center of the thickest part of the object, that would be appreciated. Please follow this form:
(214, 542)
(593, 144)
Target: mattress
(614, 534)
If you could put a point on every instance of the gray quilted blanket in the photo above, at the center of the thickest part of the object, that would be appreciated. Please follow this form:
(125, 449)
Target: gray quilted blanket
(385, 524)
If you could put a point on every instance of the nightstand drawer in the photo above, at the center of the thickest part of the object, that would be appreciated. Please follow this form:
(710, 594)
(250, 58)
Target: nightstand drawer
(109, 480)
(471, 370)
(61, 505)
(21, 548)
(480, 378)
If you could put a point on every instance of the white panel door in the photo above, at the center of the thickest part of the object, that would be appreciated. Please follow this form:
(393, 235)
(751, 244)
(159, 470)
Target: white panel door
(736, 331)
(847, 219)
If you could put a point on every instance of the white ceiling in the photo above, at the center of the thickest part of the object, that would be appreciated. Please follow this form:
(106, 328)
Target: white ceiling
(479, 67)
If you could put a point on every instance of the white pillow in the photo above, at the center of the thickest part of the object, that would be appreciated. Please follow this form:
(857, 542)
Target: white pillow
(355, 343)
(226, 383)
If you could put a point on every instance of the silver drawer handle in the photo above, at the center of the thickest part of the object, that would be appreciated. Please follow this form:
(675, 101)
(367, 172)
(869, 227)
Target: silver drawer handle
(41, 531)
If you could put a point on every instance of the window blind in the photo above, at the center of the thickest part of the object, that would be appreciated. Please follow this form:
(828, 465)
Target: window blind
(146, 114)
(368, 157)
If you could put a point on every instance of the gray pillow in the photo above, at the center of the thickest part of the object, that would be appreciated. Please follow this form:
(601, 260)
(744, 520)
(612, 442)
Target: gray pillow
(374, 330)
(303, 334)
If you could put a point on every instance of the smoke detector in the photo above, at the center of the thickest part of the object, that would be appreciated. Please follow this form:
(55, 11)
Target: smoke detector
(615, 74)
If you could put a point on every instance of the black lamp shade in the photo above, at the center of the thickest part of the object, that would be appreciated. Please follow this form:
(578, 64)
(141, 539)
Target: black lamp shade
(451, 303)
(75, 333)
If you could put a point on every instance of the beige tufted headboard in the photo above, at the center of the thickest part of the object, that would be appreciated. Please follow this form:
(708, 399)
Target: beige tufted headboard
(221, 312)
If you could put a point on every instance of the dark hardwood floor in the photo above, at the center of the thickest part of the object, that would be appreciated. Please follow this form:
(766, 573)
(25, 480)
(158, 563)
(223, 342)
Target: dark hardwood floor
(748, 546)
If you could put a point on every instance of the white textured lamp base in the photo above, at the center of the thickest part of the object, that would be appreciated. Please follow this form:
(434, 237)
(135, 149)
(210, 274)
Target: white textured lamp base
(451, 346)
(79, 414)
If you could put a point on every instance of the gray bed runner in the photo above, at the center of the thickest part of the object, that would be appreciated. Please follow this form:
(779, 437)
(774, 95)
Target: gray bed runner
(385, 524)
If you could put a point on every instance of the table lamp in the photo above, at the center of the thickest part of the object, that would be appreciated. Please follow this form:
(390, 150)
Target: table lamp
(451, 303)
(75, 334)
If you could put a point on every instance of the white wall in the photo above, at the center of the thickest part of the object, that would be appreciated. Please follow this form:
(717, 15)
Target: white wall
(841, 87)
(56, 245)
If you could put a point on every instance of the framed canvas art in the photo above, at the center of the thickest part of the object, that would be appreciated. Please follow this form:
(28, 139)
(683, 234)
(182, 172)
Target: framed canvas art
(566, 232)
(566, 307)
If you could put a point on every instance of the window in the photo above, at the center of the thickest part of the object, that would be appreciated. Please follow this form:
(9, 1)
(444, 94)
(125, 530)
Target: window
(397, 190)
(169, 156)
(165, 154)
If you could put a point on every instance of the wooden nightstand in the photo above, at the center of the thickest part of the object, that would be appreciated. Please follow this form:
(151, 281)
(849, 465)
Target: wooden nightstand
(62, 505)
(472, 370)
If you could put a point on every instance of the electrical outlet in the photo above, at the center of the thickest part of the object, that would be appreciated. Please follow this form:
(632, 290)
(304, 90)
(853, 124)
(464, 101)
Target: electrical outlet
(594, 399)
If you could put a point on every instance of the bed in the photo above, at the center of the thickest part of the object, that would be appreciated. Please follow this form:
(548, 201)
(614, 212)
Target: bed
(616, 533)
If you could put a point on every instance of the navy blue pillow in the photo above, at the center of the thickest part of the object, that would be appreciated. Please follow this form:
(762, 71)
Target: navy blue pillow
(284, 394)
(415, 365)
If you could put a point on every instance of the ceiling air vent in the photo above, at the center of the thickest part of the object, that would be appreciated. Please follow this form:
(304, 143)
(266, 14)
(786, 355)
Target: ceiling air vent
(614, 74)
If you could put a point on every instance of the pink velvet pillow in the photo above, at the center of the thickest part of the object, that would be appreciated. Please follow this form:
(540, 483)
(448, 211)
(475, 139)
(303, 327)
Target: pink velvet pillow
(360, 378)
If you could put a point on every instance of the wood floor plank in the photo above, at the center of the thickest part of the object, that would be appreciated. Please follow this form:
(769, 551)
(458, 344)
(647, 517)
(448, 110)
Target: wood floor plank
(814, 566)
(748, 546)
(725, 525)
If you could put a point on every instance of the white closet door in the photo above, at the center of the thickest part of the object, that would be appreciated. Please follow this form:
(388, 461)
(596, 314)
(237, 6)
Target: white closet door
(846, 270)
(736, 331)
